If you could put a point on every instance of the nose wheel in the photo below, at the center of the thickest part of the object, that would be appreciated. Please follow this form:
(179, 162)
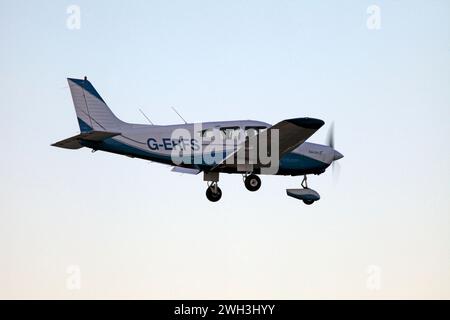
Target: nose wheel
(252, 182)
(213, 193)
(307, 195)
(305, 187)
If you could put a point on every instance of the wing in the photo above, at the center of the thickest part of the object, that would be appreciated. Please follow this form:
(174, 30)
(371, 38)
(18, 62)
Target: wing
(292, 133)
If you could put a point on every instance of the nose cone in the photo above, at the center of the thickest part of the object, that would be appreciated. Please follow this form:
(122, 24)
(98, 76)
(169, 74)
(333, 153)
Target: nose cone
(337, 155)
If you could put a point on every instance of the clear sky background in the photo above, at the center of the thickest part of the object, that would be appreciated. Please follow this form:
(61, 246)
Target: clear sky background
(136, 230)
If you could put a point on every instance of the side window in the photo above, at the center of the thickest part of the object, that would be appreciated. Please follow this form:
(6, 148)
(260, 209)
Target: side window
(231, 133)
(253, 131)
(209, 133)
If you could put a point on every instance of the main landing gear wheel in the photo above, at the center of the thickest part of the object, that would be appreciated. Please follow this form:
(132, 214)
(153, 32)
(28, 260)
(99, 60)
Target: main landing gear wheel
(308, 202)
(213, 193)
(252, 182)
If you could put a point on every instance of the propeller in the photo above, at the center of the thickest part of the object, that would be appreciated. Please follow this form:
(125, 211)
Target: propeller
(335, 166)
(330, 136)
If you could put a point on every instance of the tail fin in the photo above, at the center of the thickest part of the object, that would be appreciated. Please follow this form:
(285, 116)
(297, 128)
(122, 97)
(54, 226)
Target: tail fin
(92, 111)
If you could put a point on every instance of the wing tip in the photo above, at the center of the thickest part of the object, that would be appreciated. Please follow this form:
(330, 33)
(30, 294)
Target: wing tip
(307, 123)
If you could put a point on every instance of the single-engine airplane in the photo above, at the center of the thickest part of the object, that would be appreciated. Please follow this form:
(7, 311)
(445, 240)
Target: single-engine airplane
(194, 148)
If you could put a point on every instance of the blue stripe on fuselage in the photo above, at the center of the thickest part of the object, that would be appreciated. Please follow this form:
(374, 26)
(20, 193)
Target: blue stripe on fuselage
(294, 163)
(291, 163)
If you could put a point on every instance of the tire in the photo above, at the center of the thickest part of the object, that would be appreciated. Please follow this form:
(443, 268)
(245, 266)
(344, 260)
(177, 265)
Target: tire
(308, 202)
(213, 196)
(253, 183)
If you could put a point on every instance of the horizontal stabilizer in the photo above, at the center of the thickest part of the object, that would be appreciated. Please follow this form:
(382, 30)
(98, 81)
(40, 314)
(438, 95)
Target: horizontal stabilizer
(186, 170)
(74, 142)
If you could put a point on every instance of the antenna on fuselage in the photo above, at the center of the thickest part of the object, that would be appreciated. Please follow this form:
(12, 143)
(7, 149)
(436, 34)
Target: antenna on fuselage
(150, 121)
(173, 108)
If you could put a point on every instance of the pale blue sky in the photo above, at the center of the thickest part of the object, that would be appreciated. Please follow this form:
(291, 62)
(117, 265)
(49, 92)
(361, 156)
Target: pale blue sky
(136, 230)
